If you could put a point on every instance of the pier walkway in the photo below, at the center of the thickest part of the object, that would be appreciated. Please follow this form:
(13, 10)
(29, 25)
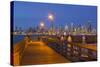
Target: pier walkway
(50, 50)
(39, 53)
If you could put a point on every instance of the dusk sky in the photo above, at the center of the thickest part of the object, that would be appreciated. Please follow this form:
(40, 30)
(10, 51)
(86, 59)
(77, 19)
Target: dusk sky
(30, 14)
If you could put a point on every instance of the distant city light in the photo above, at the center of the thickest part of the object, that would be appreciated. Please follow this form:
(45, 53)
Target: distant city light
(66, 27)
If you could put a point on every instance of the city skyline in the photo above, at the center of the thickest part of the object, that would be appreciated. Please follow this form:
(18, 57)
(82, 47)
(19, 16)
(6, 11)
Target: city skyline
(27, 14)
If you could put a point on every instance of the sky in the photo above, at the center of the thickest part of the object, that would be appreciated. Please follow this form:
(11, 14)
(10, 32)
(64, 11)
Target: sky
(30, 14)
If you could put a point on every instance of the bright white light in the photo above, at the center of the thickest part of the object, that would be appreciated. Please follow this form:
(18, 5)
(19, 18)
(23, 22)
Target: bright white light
(50, 17)
(42, 24)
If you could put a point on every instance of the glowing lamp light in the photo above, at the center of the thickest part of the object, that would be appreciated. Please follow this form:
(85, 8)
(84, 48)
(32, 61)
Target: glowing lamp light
(69, 39)
(50, 17)
(42, 24)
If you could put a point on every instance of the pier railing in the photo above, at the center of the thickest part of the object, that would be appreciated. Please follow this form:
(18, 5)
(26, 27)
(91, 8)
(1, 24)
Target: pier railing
(74, 51)
(19, 49)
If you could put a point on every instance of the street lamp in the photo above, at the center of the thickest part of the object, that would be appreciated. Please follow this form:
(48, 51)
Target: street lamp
(42, 24)
(51, 18)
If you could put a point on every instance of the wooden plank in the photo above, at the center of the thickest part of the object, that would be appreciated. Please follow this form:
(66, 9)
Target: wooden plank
(40, 53)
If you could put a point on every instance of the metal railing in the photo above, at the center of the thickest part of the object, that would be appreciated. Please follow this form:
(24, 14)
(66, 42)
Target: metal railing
(73, 51)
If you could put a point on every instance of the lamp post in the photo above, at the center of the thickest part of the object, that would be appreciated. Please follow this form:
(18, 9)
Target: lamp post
(51, 18)
(42, 26)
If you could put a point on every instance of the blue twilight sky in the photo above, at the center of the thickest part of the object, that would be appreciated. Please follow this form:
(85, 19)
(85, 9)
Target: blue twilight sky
(30, 14)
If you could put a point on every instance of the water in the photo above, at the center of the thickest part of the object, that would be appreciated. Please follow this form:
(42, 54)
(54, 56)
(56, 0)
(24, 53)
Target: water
(17, 38)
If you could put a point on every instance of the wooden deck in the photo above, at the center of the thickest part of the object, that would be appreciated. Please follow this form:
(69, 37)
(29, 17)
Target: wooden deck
(40, 53)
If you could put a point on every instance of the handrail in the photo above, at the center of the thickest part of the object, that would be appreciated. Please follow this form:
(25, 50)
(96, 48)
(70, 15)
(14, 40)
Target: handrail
(19, 50)
(74, 51)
